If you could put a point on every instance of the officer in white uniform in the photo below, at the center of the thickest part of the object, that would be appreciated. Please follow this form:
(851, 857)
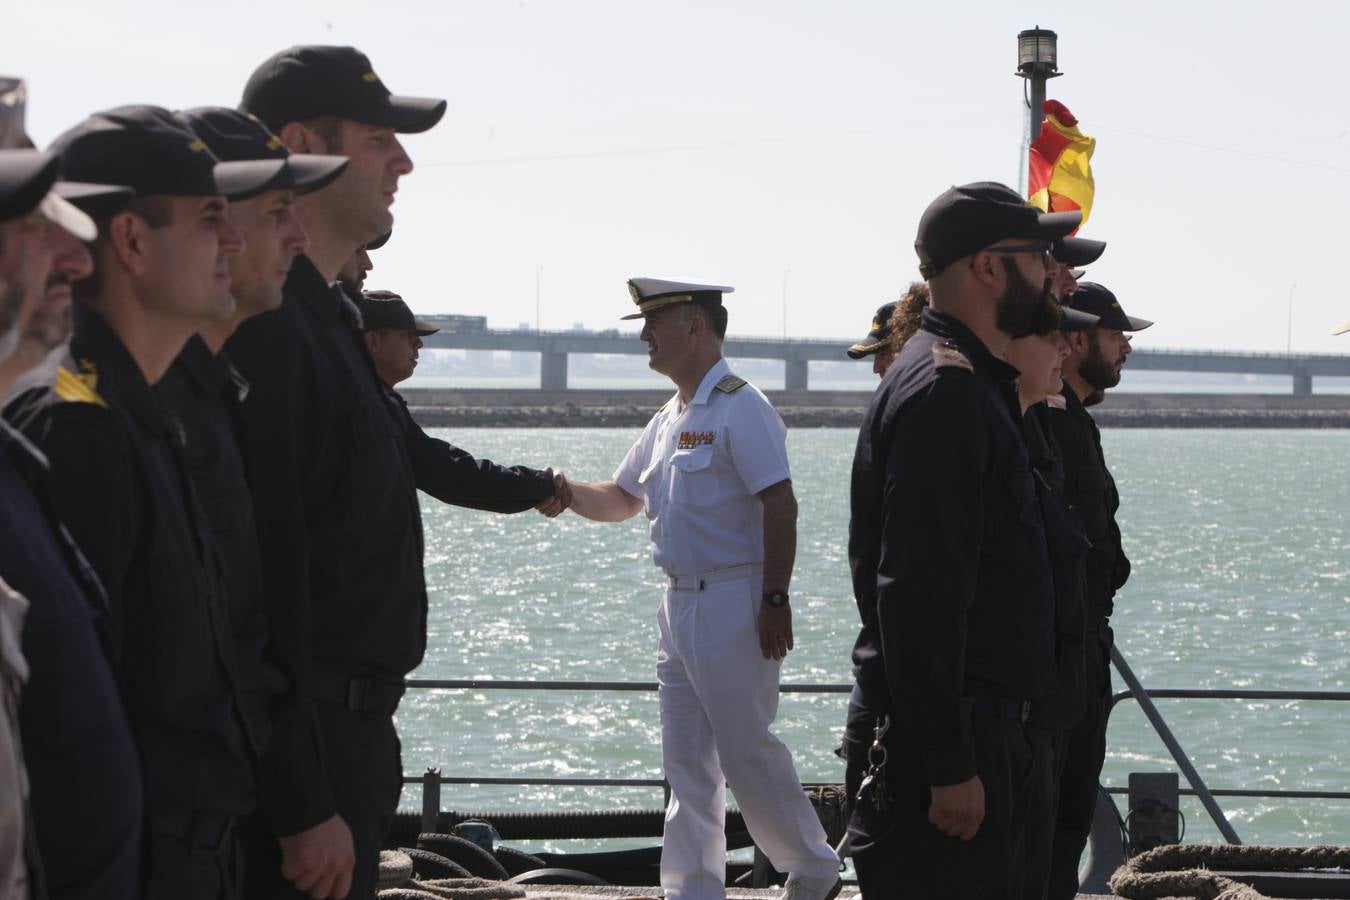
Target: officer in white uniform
(711, 472)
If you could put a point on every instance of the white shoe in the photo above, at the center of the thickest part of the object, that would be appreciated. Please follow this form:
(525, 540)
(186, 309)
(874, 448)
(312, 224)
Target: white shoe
(799, 887)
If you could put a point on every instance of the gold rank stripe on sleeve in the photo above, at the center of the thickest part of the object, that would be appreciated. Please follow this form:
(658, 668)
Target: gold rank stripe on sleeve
(77, 388)
(691, 439)
(730, 384)
(948, 356)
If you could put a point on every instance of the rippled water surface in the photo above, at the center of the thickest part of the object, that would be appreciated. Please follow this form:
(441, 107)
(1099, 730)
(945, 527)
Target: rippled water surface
(1241, 579)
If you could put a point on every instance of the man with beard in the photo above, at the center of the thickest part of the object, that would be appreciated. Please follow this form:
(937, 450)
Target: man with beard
(69, 712)
(1092, 367)
(121, 486)
(352, 275)
(950, 567)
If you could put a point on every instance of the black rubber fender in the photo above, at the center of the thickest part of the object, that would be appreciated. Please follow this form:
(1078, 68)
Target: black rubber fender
(556, 876)
(460, 850)
(517, 861)
(432, 865)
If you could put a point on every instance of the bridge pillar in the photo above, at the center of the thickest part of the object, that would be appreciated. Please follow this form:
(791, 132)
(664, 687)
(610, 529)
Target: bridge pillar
(552, 370)
(795, 375)
(1302, 382)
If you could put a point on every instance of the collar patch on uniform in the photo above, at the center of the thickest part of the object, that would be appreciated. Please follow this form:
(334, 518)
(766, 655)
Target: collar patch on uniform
(1056, 401)
(729, 384)
(78, 388)
(691, 439)
(948, 355)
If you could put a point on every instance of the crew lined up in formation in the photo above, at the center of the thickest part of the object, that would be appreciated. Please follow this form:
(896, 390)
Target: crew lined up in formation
(212, 544)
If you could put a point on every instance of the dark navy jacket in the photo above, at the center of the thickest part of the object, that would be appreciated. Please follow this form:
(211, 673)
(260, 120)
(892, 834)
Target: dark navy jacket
(338, 524)
(205, 395)
(453, 476)
(121, 487)
(71, 713)
(947, 547)
(1091, 490)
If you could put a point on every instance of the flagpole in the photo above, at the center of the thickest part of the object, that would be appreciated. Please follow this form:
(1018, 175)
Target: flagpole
(1037, 63)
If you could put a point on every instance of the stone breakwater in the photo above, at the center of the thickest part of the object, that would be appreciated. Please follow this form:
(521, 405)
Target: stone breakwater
(838, 409)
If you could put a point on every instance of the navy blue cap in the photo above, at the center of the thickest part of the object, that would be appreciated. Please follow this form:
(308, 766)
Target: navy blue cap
(385, 309)
(304, 82)
(1077, 251)
(25, 178)
(1096, 300)
(879, 337)
(377, 243)
(146, 149)
(965, 219)
(234, 136)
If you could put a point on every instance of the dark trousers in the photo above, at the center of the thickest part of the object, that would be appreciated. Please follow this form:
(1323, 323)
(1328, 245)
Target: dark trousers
(1083, 753)
(192, 856)
(365, 772)
(898, 853)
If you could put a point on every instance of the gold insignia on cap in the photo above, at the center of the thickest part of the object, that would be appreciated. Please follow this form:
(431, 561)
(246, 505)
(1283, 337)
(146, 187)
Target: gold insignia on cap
(875, 325)
(197, 146)
(633, 291)
(370, 77)
(274, 143)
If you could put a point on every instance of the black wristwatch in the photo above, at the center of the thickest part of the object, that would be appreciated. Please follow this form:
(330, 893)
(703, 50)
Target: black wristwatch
(775, 598)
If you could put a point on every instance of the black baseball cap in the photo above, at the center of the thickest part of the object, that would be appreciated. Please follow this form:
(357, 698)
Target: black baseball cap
(1076, 320)
(1096, 300)
(377, 243)
(145, 149)
(1076, 251)
(967, 218)
(318, 80)
(878, 338)
(28, 182)
(385, 309)
(233, 136)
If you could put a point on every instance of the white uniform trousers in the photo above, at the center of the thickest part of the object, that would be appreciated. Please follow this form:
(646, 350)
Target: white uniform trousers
(718, 697)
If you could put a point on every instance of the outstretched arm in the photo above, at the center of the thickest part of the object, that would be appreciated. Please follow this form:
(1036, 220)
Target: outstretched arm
(600, 501)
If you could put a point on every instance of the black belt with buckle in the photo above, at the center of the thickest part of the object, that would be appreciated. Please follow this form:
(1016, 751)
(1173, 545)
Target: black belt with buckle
(359, 693)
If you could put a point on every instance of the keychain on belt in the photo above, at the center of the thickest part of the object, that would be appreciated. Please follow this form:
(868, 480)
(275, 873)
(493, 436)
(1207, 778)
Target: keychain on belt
(875, 776)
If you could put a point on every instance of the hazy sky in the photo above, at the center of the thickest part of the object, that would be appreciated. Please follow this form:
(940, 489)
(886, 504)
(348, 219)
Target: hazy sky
(763, 143)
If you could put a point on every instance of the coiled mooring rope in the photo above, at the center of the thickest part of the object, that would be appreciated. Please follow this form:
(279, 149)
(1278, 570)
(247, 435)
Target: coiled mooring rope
(1184, 870)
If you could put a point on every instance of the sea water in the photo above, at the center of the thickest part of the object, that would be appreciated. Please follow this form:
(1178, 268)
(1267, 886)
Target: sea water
(1241, 579)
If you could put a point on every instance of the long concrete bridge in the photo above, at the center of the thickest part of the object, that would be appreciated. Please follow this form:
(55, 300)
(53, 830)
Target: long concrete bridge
(797, 354)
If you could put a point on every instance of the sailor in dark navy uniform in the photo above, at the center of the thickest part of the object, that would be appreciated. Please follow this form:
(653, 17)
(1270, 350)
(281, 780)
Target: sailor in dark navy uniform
(1093, 366)
(393, 335)
(70, 712)
(122, 488)
(877, 343)
(205, 391)
(1039, 360)
(951, 573)
(334, 493)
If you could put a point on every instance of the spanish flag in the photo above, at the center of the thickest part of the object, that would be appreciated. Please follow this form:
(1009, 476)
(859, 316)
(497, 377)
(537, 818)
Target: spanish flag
(1061, 174)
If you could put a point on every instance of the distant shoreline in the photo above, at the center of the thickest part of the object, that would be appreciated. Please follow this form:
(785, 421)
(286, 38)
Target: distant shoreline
(437, 408)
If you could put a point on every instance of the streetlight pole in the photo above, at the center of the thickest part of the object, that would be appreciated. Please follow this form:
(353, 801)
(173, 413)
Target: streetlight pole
(1289, 326)
(1037, 63)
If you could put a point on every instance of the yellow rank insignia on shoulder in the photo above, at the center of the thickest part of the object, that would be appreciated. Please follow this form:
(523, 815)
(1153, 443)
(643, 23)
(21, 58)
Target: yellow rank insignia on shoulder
(730, 384)
(948, 356)
(74, 388)
(691, 439)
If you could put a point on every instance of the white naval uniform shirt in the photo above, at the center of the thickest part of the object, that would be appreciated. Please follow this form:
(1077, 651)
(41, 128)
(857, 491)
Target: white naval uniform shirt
(698, 471)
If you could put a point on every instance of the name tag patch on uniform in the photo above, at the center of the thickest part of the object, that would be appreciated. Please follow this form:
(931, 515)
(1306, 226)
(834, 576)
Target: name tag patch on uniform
(691, 439)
